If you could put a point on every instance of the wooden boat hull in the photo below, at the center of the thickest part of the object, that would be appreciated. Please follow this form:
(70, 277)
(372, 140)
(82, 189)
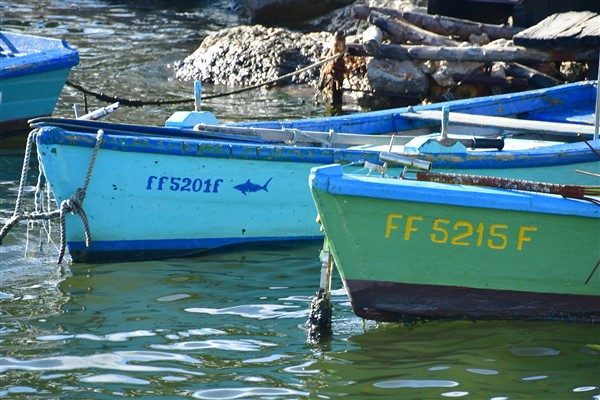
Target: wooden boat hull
(34, 71)
(411, 250)
(244, 189)
(152, 197)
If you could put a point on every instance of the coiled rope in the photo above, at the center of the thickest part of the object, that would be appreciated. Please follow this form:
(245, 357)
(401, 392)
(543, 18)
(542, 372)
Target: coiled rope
(74, 204)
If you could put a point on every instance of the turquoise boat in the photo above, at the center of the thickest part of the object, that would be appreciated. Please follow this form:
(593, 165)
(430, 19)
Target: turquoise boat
(145, 192)
(33, 71)
(410, 250)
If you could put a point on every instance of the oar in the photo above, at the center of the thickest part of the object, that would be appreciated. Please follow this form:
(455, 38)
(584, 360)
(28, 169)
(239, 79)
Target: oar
(293, 135)
(504, 123)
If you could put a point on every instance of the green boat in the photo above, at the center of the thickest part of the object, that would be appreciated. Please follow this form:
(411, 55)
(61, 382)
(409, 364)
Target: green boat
(413, 249)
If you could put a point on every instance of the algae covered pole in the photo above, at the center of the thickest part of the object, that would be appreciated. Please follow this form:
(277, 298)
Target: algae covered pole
(319, 316)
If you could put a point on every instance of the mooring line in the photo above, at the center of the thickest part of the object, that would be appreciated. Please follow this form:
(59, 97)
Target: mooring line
(74, 204)
(141, 103)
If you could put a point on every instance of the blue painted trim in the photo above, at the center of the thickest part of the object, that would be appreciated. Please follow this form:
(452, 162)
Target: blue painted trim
(331, 179)
(574, 96)
(177, 244)
(130, 138)
(34, 54)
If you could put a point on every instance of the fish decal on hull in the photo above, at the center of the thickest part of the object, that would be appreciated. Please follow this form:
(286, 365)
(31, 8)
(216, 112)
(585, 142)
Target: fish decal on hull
(249, 187)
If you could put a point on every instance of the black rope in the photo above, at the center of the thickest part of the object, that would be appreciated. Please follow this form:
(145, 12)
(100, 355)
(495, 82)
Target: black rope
(141, 103)
(126, 102)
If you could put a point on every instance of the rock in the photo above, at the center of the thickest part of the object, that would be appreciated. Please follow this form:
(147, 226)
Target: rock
(390, 83)
(572, 71)
(443, 76)
(479, 40)
(338, 20)
(288, 13)
(247, 55)
(397, 77)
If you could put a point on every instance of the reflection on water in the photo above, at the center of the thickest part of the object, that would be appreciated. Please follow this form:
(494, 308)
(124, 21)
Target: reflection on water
(229, 325)
(127, 50)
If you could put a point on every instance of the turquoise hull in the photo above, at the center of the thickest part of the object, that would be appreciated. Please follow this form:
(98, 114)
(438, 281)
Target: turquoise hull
(420, 250)
(173, 191)
(159, 197)
(33, 71)
(31, 96)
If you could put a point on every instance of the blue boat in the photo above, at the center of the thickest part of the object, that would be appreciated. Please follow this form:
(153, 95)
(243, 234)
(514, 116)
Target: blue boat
(33, 71)
(141, 192)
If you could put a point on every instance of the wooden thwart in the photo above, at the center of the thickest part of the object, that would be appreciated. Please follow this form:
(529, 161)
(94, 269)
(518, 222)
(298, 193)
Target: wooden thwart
(292, 135)
(513, 124)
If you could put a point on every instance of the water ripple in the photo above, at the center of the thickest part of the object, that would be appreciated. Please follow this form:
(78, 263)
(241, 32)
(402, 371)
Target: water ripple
(414, 383)
(228, 345)
(113, 337)
(120, 361)
(223, 394)
(534, 351)
(256, 311)
(114, 378)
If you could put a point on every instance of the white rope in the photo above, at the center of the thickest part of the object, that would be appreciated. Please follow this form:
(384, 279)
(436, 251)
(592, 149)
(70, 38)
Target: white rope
(73, 204)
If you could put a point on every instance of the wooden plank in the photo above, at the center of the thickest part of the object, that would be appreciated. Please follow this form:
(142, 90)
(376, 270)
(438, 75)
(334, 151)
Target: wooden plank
(563, 29)
(299, 136)
(586, 33)
(512, 124)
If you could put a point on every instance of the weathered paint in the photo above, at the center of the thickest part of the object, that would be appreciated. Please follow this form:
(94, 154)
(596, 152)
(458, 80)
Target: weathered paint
(565, 103)
(32, 75)
(409, 249)
(25, 55)
(173, 142)
(131, 217)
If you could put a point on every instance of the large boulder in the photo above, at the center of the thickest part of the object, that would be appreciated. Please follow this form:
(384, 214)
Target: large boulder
(247, 55)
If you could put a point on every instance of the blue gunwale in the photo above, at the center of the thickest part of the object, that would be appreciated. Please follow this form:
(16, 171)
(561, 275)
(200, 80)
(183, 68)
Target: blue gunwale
(26, 55)
(332, 179)
(548, 104)
(173, 141)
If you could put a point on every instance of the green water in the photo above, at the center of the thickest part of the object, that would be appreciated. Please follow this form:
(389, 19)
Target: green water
(228, 325)
(232, 325)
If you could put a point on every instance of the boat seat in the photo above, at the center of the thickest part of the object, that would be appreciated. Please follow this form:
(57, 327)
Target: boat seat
(581, 115)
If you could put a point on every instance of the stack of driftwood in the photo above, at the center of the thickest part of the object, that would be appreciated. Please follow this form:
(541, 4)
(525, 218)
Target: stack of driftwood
(413, 56)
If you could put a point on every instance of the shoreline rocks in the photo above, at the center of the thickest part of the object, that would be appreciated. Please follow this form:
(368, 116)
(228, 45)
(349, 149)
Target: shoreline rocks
(252, 54)
(255, 54)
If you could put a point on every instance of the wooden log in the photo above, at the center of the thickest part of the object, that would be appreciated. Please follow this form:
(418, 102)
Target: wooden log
(371, 40)
(486, 53)
(402, 31)
(534, 77)
(442, 25)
